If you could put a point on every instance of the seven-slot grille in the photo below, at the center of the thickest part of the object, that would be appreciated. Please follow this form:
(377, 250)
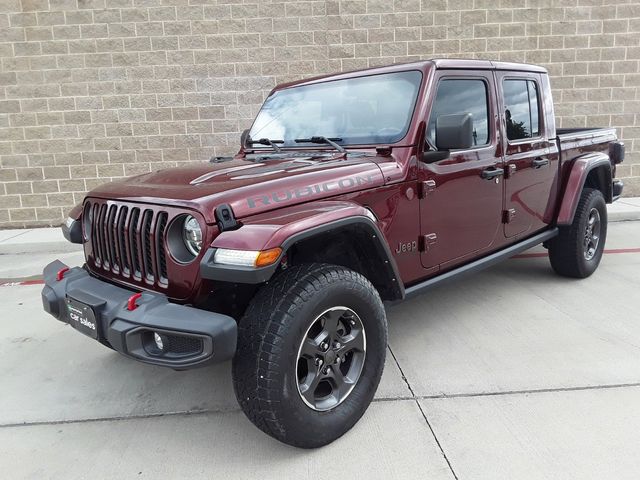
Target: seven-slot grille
(129, 241)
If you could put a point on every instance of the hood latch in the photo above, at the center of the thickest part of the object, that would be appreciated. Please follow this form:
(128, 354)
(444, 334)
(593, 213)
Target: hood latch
(226, 219)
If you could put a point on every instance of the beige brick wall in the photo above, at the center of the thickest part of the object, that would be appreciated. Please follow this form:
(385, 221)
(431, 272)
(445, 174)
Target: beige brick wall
(93, 90)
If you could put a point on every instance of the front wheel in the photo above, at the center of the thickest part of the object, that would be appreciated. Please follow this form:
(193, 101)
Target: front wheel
(578, 248)
(311, 350)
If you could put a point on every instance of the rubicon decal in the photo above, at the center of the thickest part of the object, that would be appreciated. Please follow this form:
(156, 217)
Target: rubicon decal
(308, 191)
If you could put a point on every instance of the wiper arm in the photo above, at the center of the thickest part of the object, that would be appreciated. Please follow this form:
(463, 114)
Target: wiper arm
(266, 141)
(323, 140)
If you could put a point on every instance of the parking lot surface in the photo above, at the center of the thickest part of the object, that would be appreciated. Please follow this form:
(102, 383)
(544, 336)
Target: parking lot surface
(511, 373)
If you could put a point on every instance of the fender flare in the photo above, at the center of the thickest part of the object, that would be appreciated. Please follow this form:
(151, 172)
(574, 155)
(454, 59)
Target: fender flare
(249, 275)
(580, 170)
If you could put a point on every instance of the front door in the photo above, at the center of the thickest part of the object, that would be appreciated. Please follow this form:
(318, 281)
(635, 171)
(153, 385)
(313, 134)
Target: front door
(531, 160)
(461, 204)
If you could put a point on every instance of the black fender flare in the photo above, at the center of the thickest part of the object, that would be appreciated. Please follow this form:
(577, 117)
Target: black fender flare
(249, 275)
(580, 170)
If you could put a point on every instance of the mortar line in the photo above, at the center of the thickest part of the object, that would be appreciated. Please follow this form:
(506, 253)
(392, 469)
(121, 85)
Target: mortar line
(416, 399)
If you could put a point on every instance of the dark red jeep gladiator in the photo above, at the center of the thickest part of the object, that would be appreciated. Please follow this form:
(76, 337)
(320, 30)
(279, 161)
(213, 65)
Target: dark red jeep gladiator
(348, 191)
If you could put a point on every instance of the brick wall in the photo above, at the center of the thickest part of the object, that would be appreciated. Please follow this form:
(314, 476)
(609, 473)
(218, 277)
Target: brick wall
(93, 90)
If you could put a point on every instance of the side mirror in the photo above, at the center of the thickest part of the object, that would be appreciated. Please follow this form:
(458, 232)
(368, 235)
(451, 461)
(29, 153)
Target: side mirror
(454, 132)
(243, 138)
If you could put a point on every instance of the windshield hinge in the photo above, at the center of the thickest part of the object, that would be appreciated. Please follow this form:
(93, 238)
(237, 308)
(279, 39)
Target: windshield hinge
(220, 159)
(508, 215)
(427, 241)
(426, 187)
(384, 151)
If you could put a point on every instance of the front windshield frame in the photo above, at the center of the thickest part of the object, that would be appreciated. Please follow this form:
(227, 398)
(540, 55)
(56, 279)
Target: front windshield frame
(396, 138)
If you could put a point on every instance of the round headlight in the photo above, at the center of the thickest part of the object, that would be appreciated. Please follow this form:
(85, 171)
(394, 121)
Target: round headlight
(192, 235)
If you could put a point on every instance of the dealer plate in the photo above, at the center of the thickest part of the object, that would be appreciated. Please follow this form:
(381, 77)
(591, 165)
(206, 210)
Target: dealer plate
(82, 318)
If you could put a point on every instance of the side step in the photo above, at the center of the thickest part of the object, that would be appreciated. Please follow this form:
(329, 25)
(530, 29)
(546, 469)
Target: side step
(482, 263)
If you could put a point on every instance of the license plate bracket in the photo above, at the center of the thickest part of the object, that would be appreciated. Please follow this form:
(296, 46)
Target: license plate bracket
(83, 318)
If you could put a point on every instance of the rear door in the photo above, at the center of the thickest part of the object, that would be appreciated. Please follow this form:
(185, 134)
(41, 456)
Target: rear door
(531, 162)
(461, 202)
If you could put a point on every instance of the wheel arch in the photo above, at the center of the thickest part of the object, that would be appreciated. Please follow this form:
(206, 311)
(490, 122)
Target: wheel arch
(592, 170)
(355, 243)
(340, 233)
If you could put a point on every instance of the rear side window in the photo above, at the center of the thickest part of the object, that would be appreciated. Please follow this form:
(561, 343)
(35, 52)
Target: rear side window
(462, 96)
(521, 109)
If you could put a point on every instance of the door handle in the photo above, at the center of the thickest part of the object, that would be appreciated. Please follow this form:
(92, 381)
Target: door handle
(540, 162)
(491, 173)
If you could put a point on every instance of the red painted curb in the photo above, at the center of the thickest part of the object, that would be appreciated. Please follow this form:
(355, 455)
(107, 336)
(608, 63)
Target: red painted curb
(23, 283)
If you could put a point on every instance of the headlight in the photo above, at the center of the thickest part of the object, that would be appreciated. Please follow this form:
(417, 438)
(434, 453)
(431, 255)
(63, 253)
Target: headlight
(192, 235)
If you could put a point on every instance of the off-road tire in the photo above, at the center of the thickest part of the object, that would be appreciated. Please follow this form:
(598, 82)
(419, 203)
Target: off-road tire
(264, 370)
(567, 250)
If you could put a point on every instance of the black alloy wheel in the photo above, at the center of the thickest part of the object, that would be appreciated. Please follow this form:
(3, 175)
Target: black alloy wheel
(330, 358)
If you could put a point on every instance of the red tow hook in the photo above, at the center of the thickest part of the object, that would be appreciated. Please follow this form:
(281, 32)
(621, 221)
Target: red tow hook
(131, 303)
(61, 273)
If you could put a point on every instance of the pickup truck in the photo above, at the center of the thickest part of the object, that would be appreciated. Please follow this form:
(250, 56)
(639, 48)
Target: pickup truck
(348, 191)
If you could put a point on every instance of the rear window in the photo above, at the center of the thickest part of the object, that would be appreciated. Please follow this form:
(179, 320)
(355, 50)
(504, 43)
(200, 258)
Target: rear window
(521, 109)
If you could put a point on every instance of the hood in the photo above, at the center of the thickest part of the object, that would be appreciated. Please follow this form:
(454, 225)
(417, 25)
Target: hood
(249, 186)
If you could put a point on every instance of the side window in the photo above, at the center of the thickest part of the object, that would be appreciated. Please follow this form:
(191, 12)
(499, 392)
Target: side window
(521, 109)
(462, 96)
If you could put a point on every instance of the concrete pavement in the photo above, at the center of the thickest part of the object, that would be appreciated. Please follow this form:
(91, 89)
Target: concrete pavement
(223, 446)
(624, 210)
(34, 240)
(71, 408)
(560, 434)
(511, 373)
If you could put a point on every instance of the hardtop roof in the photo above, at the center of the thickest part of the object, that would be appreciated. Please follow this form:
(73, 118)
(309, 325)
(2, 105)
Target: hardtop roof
(438, 63)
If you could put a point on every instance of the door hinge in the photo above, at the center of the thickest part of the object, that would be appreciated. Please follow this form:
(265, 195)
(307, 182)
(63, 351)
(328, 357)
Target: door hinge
(508, 215)
(427, 241)
(427, 187)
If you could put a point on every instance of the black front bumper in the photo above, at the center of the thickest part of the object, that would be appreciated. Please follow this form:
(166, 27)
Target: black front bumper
(191, 337)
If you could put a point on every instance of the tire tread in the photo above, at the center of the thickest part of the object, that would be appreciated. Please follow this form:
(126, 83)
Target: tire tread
(565, 251)
(261, 334)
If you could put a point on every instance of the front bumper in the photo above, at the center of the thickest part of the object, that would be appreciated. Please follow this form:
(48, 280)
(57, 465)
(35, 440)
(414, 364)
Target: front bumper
(192, 337)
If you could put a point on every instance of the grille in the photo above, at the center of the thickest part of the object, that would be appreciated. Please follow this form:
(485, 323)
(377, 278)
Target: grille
(129, 241)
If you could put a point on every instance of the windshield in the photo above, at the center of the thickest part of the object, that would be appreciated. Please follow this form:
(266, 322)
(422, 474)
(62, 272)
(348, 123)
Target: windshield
(365, 110)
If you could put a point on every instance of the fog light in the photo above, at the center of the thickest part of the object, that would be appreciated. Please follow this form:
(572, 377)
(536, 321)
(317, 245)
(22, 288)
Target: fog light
(158, 339)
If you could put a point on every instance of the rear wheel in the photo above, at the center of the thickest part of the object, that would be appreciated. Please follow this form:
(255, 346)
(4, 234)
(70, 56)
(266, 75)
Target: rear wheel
(311, 350)
(577, 250)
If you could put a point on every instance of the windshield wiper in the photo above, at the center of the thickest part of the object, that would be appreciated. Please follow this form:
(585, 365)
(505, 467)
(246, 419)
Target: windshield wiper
(323, 140)
(266, 141)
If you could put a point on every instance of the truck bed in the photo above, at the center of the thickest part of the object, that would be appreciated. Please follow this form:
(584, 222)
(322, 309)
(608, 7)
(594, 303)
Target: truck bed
(572, 134)
(573, 142)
